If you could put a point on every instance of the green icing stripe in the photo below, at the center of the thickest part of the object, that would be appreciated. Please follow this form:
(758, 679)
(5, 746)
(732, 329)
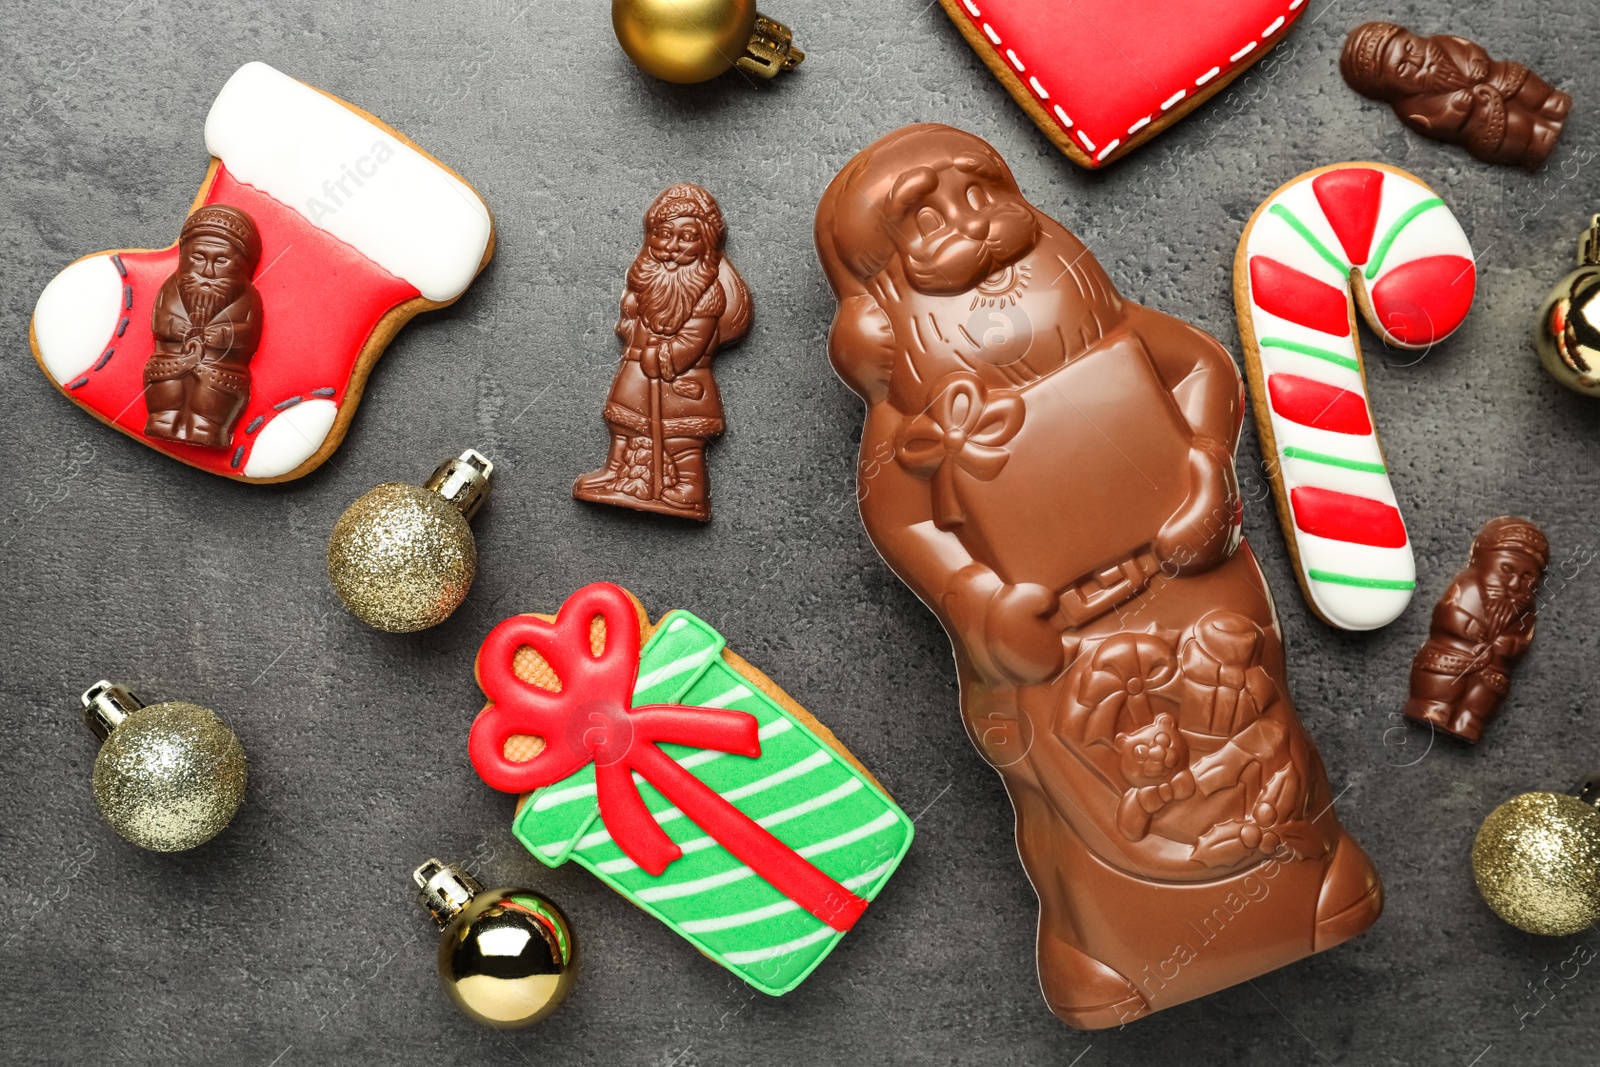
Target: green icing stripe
(1394, 231)
(695, 886)
(1311, 239)
(731, 933)
(799, 788)
(1292, 452)
(1311, 350)
(665, 813)
(774, 951)
(847, 788)
(1360, 582)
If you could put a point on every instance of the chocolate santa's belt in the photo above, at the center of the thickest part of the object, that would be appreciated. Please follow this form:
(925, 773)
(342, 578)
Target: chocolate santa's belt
(165, 368)
(1449, 661)
(1111, 586)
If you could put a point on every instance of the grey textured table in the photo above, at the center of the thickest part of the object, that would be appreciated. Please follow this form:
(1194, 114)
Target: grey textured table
(293, 939)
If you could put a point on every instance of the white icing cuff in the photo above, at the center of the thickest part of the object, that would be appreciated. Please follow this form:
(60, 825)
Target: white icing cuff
(292, 437)
(351, 178)
(76, 317)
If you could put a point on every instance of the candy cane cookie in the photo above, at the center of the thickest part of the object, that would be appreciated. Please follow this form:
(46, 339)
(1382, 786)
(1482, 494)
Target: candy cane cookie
(1334, 239)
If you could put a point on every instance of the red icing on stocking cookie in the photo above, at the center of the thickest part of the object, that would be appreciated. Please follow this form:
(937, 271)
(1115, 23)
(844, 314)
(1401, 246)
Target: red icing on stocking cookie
(357, 229)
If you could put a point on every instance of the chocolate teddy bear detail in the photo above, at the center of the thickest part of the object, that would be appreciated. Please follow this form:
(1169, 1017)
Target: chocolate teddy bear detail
(1155, 763)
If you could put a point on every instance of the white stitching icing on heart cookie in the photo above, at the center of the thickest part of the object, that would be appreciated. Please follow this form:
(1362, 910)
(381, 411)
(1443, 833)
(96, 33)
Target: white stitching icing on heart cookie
(1097, 81)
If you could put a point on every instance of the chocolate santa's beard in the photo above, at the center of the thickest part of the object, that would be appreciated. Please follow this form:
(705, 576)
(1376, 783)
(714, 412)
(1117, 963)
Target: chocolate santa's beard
(204, 297)
(1501, 609)
(667, 297)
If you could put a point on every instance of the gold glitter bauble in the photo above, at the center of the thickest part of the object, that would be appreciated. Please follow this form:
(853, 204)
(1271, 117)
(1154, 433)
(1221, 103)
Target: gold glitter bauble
(508, 958)
(170, 776)
(402, 558)
(1537, 861)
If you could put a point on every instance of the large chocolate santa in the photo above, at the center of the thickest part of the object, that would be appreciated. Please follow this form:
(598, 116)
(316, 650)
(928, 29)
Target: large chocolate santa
(1062, 495)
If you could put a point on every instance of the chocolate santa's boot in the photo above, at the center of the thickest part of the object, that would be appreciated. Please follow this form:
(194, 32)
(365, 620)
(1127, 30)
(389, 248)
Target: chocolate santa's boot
(358, 230)
(604, 479)
(690, 492)
(1351, 899)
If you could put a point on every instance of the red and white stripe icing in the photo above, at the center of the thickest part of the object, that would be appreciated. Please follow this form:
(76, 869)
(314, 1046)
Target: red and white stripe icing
(1305, 253)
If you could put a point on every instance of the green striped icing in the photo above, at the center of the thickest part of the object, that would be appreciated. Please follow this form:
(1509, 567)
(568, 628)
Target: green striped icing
(1310, 350)
(800, 789)
(1358, 581)
(1394, 231)
(1293, 452)
(1311, 239)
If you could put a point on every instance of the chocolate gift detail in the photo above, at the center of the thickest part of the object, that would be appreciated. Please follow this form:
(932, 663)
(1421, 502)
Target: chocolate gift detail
(1448, 88)
(1062, 495)
(207, 325)
(1481, 627)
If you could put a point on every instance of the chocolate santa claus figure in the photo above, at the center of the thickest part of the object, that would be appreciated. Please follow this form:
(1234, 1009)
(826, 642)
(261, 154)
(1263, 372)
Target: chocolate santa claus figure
(1481, 626)
(684, 301)
(1049, 466)
(207, 325)
(1448, 88)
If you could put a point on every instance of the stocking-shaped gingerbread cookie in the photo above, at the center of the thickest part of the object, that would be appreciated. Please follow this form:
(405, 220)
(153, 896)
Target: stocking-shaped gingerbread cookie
(243, 349)
(1062, 495)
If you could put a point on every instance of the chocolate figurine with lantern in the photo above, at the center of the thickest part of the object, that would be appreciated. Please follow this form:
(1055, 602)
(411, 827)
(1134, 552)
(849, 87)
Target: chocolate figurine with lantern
(207, 325)
(684, 302)
(1062, 494)
(1481, 626)
(1448, 88)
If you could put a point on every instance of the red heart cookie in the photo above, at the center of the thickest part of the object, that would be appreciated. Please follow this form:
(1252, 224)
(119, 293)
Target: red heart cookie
(1101, 77)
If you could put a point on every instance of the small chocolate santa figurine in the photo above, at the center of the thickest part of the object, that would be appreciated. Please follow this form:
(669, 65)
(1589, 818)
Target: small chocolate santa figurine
(207, 325)
(684, 302)
(1481, 626)
(1448, 88)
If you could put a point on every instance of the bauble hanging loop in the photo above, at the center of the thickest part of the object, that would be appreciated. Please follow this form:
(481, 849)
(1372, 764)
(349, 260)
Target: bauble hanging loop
(1567, 331)
(696, 40)
(507, 956)
(403, 557)
(1537, 860)
(169, 776)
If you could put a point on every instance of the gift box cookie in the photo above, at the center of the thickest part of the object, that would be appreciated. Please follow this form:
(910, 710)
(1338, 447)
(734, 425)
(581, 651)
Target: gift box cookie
(686, 780)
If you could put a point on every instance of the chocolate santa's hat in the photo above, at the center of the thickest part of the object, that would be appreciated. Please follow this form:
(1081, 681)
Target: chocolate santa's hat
(1509, 533)
(686, 200)
(1361, 62)
(228, 223)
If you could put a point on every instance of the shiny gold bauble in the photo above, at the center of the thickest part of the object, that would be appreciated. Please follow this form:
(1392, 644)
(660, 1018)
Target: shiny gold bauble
(1537, 861)
(683, 40)
(170, 776)
(508, 958)
(402, 558)
(1567, 331)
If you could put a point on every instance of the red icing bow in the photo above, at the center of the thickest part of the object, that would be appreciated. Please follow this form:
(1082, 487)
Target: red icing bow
(963, 427)
(591, 719)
